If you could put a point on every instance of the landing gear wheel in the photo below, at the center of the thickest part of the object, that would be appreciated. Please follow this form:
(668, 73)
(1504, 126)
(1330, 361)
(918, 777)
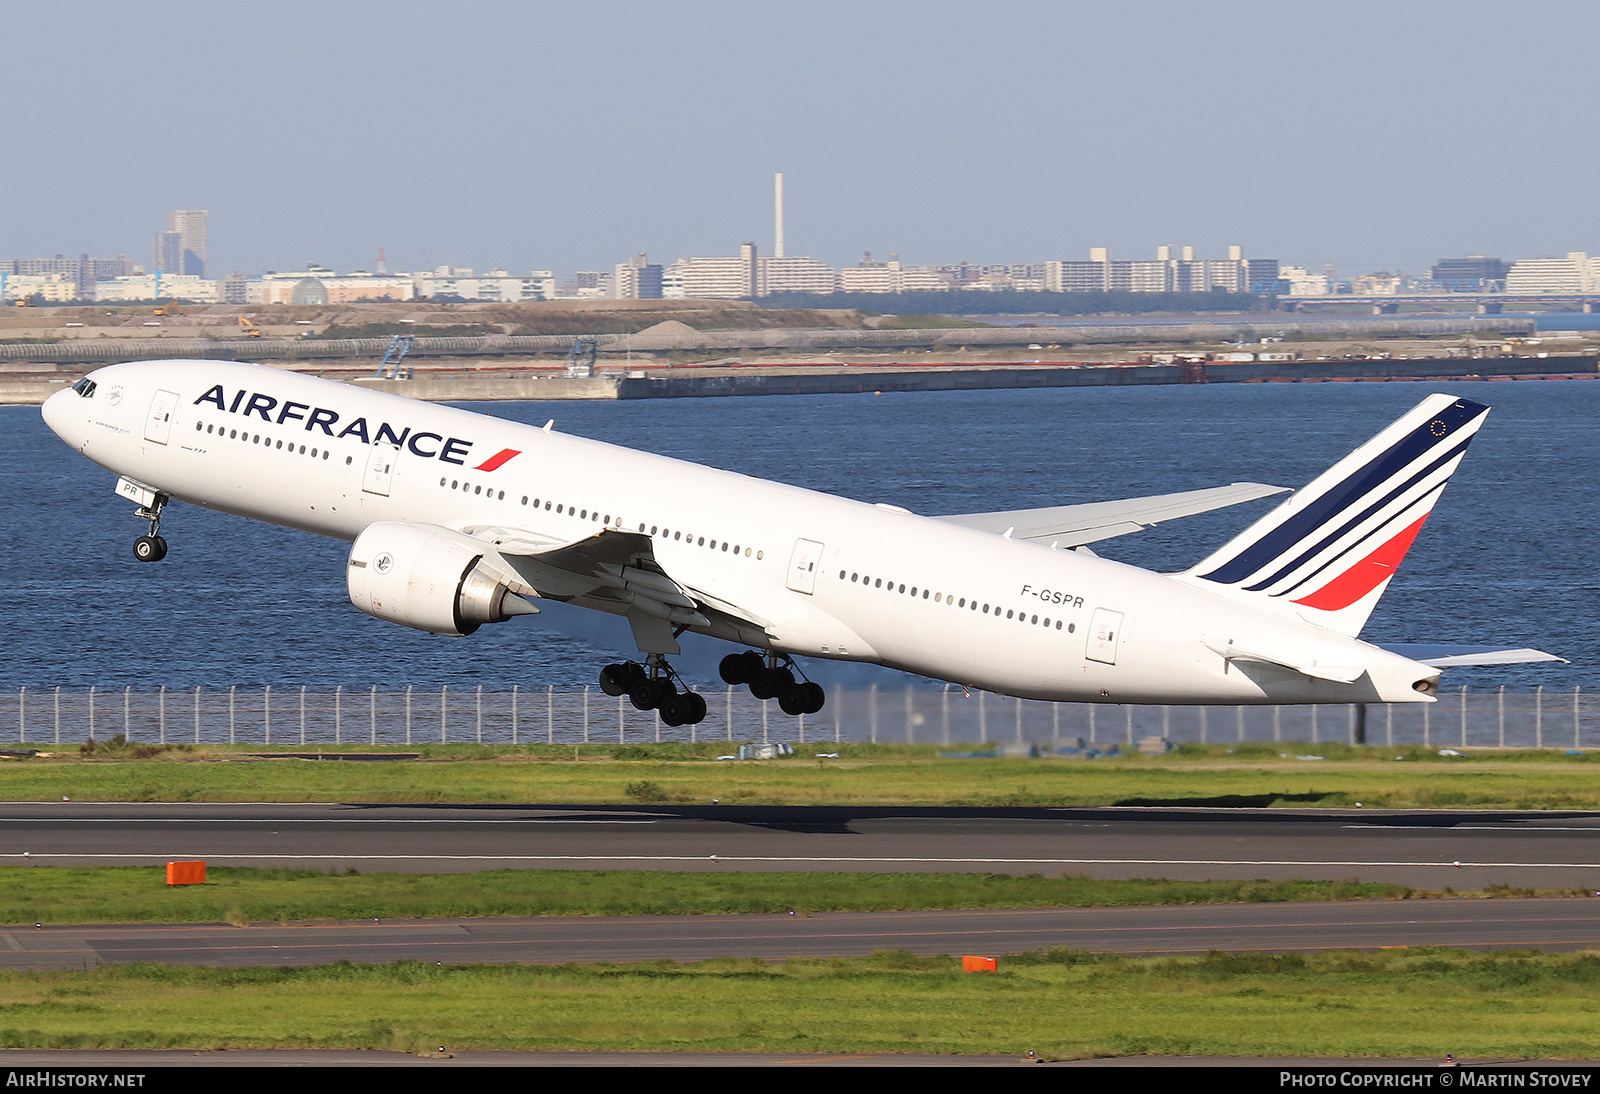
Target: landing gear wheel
(794, 699)
(149, 548)
(817, 696)
(770, 683)
(697, 708)
(643, 695)
(740, 668)
(620, 679)
(675, 710)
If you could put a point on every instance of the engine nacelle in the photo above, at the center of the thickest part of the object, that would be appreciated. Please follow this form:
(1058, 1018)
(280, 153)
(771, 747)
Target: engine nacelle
(427, 577)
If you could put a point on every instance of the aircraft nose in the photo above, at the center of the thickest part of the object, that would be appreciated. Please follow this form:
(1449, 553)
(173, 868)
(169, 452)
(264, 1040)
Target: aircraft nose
(54, 411)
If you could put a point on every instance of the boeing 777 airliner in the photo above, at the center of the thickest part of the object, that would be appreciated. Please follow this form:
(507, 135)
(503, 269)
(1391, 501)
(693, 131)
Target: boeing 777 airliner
(457, 519)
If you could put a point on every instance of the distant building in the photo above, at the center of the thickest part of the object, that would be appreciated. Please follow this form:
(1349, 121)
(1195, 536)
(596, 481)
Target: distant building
(53, 288)
(496, 286)
(1475, 273)
(320, 285)
(1164, 274)
(191, 228)
(158, 286)
(731, 278)
(637, 279)
(84, 271)
(1576, 273)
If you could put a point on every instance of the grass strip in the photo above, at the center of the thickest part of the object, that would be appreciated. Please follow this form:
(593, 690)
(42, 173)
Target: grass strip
(132, 894)
(1248, 775)
(1061, 1004)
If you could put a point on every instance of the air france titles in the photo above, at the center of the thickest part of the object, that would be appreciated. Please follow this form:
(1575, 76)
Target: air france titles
(427, 445)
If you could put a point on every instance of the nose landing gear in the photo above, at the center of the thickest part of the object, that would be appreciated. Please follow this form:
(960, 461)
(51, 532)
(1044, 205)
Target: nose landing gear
(654, 686)
(151, 548)
(773, 677)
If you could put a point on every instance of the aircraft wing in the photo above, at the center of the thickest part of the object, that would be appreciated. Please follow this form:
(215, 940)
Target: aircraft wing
(1444, 657)
(1076, 525)
(615, 567)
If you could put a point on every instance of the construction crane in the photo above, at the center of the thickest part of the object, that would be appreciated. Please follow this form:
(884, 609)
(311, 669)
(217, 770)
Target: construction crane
(399, 346)
(580, 358)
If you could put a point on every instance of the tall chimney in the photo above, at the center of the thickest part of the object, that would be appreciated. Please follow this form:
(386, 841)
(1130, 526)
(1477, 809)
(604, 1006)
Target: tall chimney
(777, 249)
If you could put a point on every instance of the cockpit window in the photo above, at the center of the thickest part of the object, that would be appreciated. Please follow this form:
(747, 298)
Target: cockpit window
(84, 387)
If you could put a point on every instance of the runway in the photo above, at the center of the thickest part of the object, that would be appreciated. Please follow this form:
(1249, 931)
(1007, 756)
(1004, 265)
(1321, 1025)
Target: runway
(1561, 924)
(1431, 849)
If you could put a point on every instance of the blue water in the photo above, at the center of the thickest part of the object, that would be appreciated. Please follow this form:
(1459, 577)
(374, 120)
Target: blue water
(1508, 555)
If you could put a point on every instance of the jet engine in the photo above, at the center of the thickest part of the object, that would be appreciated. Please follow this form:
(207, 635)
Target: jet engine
(427, 577)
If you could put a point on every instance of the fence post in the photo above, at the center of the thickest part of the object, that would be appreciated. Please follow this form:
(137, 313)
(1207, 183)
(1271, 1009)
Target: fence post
(1238, 714)
(91, 712)
(58, 713)
(408, 715)
(622, 736)
(764, 704)
(1277, 724)
(1538, 716)
(161, 699)
(22, 713)
(127, 703)
(1018, 712)
(1314, 709)
(873, 713)
(1501, 705)
(373, 712)
(444, 728)
(1093, 711)
(302, 714)
(586, 717)
(1204, 723)
(550, 713)
(233, 736)
(1427, 723)
(1463, 716)
(944, 714)
(266, 712)
(1575, 692)
(908, 714)
(480, 714)
(338, 714)
(196, 715)
(1388, 724)
(1128, 716)
(513, 713)
(728, 708)
(1055, 725)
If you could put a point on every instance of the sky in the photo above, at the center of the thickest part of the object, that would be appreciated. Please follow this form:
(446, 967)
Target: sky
(537, 135)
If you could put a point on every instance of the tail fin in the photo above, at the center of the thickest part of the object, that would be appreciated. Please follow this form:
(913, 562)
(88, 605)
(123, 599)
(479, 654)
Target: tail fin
(1327, 554)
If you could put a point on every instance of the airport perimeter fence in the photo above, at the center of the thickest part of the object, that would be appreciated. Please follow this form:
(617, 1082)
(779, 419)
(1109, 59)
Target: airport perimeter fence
(289, 716)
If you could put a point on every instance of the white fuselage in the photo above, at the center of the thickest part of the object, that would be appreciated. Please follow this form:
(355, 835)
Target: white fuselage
(886, 587)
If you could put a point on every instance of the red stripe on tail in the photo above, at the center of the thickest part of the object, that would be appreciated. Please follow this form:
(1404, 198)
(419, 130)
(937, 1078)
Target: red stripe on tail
(1364, 576)
(498, 459)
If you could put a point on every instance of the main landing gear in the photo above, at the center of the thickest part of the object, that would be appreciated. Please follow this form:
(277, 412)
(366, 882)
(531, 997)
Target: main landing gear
(151, 548)
(770, 679)
(654, 686)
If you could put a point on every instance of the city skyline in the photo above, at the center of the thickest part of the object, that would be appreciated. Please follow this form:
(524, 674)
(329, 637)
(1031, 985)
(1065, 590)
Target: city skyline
(480, 135)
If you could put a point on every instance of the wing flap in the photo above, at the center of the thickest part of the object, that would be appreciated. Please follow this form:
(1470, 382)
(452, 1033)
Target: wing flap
(1076, 525)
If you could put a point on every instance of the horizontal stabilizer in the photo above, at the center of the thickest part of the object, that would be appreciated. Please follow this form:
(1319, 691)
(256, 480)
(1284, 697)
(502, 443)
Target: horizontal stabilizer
(1443, 657)
(1076, 525)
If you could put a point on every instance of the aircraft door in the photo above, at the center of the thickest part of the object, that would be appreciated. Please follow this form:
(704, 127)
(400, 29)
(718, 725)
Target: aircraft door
(1105, 631)
(803, 566)
(380, 469)
(158, 426)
